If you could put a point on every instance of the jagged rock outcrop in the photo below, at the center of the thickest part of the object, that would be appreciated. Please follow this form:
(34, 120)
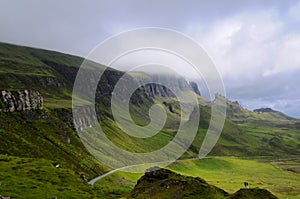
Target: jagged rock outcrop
(24, 100)
(195, 88)
(83, 117)
(163, 85)
(78, 118)
(156, 90)
(264, 110)
(50, 81)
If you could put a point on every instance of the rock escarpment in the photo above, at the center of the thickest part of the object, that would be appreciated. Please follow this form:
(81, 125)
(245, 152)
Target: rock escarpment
(195, 88)
(156, 90)
(25, 100)
(84, 117)
(164, 85)
(264, 110)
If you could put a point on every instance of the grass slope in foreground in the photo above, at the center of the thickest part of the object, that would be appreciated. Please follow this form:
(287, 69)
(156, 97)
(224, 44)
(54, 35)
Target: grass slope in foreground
(227, 173)
(39, 178)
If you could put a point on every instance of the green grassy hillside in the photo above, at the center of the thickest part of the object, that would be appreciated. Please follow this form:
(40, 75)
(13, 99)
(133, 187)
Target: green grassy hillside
(263, 117)
(268, 133)
(39, 178)
(227, 173)
(48, 136)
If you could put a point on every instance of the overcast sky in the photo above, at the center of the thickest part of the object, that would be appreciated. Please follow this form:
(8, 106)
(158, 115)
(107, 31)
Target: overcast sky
(254, 44)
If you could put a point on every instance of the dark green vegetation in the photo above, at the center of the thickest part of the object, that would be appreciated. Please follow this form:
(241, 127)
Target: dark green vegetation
(163, 183)
(48, 136)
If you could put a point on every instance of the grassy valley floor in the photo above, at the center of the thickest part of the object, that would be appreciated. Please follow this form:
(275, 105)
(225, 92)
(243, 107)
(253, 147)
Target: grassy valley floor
(228, 173)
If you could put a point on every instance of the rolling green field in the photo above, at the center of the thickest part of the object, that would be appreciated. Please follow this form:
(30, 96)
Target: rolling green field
(35, 178)
(230, 173)
(227, 173)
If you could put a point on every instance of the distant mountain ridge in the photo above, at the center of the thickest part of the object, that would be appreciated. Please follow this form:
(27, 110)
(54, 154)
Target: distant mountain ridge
(264, 110)
(239, 114)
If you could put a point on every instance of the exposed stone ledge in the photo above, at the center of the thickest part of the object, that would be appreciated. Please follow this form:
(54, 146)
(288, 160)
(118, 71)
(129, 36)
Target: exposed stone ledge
(22, 100)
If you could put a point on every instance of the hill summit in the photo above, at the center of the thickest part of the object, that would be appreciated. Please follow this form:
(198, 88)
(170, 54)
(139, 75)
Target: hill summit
(163, 183)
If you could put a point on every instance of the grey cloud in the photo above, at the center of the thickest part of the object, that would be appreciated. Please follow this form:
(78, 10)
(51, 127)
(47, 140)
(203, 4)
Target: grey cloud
(76, 27)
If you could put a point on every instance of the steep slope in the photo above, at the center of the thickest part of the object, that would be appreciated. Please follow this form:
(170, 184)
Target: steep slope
(50, 133)
(39, 178)
(39, 134)
(53, 74)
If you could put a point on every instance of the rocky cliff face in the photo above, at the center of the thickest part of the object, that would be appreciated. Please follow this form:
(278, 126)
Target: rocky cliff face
(264, 110)
(86, 119)
(163, 85)
(156, 90)
(24, 100)
(194, 87)
(159, 86)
